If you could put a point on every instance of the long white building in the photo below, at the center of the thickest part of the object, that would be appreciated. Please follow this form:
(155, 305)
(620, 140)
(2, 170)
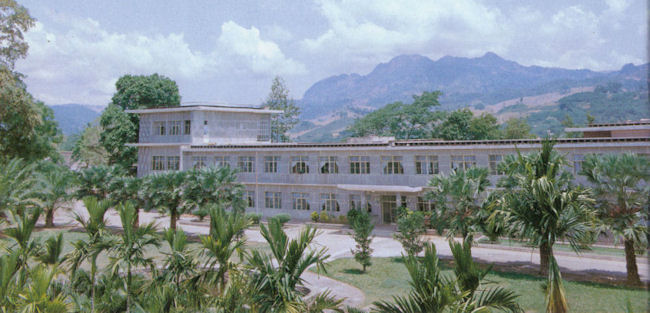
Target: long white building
(379, 174)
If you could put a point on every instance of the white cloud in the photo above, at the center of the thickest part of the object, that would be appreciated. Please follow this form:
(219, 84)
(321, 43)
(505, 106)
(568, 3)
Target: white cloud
(82, 63)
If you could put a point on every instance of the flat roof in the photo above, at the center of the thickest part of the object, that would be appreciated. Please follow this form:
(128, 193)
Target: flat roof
(210, 108)
(592, 128)
(630, 123)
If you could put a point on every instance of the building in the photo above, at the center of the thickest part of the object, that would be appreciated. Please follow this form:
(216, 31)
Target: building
(379, 173)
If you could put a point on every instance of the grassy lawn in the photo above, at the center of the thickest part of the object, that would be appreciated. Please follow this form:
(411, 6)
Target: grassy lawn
(388, 276)
(562, 247)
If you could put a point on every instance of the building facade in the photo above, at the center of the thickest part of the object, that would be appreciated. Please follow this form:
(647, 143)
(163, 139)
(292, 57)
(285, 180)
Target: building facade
(377, 174)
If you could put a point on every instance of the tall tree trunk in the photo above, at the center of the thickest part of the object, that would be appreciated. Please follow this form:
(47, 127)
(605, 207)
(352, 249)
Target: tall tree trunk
(630, 263)
(172, 220)
(128, 289)
(545, 252)
(49, 218)
(93, 270)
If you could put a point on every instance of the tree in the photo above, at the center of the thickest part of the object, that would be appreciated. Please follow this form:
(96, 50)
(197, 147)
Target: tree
(459, 199)
(88, 149)
(463, 125)
(18, 186)
(212, 185)
(517, 128)
(56, 189)
(38, 295)
(133, 92)
(14, 22)
(362, 226)
(128, 250)
(410, 228)
(431, 292)
(128, 188)
(621, 185)
(278, 99)
(164, 192)
(96, 181)
(403, 121)
(542, 205)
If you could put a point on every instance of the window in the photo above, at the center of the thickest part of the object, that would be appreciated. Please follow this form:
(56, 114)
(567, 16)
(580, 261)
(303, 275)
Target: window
(368, 205)
(199, 162)
(271, 164)
(299, 164)
(392, 164)
(328, 165)
(188, 127)
(577, 163)
(159, 128)
(264, 131)
(300, 201)
(246, 164)
(425, 205)
(462, 162)
(273, 200)
(329, 202)
(495, 159)
(174, 128)
(359, 165)
(173, 163)
(355, 202)
(158, 163)
(222, 161)
(249, 196)
(426, 164)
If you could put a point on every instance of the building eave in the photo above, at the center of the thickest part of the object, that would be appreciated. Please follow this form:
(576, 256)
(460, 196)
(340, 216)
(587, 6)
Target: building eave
(203, 108)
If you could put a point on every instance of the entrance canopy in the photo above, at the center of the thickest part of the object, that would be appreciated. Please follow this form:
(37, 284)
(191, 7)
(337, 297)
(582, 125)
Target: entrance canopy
(380, 188)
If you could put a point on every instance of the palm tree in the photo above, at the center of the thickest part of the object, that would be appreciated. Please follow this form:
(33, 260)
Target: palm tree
(96, 181)
(165, 192)
(459, 199)
(433, 292)
(99, 240)
(56, 190)
(276, 275)
(53, 250)
(17, 186)
(129, 249)
(621, 184)
(9, 266)
(21, 233)
(541, 204)
(128, 188)
(37, 295)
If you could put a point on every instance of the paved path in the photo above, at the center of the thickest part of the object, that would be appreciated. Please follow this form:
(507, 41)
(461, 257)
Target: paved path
(339, 245)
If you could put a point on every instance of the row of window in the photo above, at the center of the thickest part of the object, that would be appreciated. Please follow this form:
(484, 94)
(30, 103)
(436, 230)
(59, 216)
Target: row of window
(172, 128)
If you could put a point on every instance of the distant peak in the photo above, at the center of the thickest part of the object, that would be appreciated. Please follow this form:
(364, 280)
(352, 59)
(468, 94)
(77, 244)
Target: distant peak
(491, 55)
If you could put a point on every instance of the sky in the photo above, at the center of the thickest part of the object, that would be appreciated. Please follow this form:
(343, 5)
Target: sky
(229, 51)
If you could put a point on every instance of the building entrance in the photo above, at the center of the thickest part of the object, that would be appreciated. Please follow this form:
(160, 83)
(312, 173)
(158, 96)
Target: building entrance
(389, 209)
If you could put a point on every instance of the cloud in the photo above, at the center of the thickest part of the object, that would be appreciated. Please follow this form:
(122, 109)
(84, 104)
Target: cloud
(82, 63)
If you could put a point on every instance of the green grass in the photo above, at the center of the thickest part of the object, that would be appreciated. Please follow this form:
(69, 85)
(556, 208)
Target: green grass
(562, 247)
(388, 277)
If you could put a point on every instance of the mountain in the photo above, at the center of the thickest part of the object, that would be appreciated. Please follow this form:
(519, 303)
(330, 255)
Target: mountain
(465, 82)
(73, 118)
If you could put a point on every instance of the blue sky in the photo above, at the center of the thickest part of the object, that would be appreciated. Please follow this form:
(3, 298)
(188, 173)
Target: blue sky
(229, 51)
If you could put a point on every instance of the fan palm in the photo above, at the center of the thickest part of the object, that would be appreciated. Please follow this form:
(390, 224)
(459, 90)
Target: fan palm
(433, 292)
(17, 186)
(459, 198)
(96, 181)
(276, 275)
(621, 183)
(56, 183)
(129, 249)
(213, 185)
(165, 192)
(128, 188)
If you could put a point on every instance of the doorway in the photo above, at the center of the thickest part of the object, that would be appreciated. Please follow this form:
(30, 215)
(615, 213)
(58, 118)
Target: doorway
(389, 209)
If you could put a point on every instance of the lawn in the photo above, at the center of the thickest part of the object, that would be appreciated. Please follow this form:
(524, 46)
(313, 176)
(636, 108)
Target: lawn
(388, 276)
(562, 247)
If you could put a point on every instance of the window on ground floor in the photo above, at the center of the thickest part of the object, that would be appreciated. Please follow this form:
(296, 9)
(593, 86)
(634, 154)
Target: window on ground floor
(273, 200)
(329, 202)
(425, 204)
(173, 163)
(494, 160)
(222, 161)
(158, 163)
(249, 196)
(199, 162)
(300, 200)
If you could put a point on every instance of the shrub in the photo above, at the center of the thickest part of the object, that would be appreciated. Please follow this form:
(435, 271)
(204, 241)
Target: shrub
(343, 219)
(314, 216)
(201, 212)
(282, 218)
(254, 218)
(362, 227)
(324, 217)
(410, 227)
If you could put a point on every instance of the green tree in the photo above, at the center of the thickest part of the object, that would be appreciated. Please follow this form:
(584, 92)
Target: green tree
(404, 121)
(38, 295)
(56, 188)
(463, 125)
(517, 128)
(362, 226)
(18, 186)
(128, 188)
(621, 185)
(278, 99)
(118, 128)
(87, 149)
(129, 249)
(211, 185)
(432, 292)
(410, 228)
(165, 192)
(96, 181)
(459, 199)
(14, 22)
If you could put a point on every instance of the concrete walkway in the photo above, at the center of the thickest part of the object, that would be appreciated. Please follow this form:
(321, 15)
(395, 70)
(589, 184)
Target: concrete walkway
(339, 245)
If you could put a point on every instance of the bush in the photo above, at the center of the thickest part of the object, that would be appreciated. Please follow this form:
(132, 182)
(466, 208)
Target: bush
(282, 218)
(254, 218)
(410, 227)
(314, 216)
(362, 227)
(201, 212)
(343, 219)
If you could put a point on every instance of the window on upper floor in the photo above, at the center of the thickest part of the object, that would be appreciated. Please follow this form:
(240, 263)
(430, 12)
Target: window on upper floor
(249, 196)
(264, 133)
(246, 164)
(299, 164)
(494, 161)
(271, 164)
(328, 165)
(300, 200)
(273, 200)
(173, 163)
(187, 130)
(199, 162)
(158, 163)
(329, 202)
(463, 162)
(174, 128)
(159, 128)
(359, 165)
(392, 164)
(426, 164)
(222, 161)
